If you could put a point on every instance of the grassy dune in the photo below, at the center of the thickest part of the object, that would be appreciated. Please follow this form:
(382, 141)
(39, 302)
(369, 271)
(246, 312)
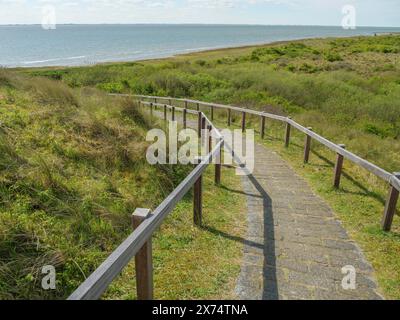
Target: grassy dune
(72, 171)
(346, 89)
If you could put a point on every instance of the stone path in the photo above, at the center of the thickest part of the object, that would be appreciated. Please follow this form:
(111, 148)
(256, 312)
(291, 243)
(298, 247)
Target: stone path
(295, 248)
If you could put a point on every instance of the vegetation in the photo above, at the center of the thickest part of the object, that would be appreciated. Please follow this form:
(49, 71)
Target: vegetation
(337, 86)
(72, 170)
(346, 89)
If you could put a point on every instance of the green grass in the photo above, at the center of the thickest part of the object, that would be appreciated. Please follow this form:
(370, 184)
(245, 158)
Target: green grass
(347, 89)
(72, 171)
(197, 263)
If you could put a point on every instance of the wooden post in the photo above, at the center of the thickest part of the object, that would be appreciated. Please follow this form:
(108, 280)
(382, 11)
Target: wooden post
(151, 109)
(262, 127)
(218, 166)
(165, 112)
(243, 121)
(155, 100)
(184, 118)
(390, 207)
(209, 138)
(173, 113)
(203, 128)
(229, 117)
(143, 260)
(212, 113)
(198, 201)
(170, 102)
(203, 123)
(287, 136)
(338, 168)
(186, 104)
(200, 123)
(198, 107)
(307, 147)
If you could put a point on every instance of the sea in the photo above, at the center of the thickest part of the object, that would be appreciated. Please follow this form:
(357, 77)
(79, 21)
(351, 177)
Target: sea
(75, 45)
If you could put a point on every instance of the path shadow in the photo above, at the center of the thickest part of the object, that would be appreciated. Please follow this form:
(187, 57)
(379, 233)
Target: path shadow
(267, 248)
(270, 282)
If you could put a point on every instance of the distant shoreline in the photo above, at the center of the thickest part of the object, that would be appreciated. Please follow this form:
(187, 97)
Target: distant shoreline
(193, 24)
(137, 50)
(210, 50)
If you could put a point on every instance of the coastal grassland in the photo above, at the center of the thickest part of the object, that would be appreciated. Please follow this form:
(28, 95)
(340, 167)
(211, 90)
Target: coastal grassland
(72, 171)
(347, 89)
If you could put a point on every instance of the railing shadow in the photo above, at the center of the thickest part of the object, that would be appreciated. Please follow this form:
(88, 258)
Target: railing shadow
(267, 248)
(330, 164)
(241, 192)
(365, 191)
(231, 237)
(270, 282)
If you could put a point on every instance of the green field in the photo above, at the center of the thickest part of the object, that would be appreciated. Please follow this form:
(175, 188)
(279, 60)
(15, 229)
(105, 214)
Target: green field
(348, 90)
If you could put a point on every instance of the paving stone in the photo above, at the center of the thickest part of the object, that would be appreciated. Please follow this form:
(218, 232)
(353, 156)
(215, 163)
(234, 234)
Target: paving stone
(296, 248)
(302, 240)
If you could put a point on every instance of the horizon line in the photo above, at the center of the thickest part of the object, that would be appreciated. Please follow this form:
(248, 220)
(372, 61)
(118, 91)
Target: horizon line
(194, 24)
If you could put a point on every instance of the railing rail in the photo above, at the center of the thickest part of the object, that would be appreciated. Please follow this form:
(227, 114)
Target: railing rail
(374, 169)
(392, 179)
(216, 105)
(97, 283)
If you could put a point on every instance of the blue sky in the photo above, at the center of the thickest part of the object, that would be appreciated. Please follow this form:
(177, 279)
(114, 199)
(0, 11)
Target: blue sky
(268, 12)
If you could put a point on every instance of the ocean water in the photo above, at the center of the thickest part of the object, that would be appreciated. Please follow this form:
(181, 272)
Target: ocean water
(68, 45)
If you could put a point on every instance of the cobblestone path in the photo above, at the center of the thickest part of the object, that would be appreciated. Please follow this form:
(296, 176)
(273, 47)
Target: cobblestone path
(295, 248)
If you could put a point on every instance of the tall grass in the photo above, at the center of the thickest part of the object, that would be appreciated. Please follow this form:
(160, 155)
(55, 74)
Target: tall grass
(72, 170)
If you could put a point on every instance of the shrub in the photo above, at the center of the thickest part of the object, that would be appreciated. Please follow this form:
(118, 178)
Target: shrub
(112, 87)
(378, 131)
(333, 56)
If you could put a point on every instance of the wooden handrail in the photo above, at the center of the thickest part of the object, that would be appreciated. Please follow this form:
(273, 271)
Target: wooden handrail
(374, 169)
(97, 283)
(202, 103)
(99, 280)
(395, 181)
(392, 179)
(381, 173)
(215, 129)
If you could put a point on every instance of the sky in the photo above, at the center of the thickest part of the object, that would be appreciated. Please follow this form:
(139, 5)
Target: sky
(264, 12)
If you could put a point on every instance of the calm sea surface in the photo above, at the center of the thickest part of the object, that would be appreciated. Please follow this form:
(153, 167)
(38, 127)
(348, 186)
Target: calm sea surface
(31, 46)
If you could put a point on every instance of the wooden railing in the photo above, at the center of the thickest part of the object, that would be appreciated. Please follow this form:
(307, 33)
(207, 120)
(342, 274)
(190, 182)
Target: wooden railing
(339, 149)
(145, 222)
